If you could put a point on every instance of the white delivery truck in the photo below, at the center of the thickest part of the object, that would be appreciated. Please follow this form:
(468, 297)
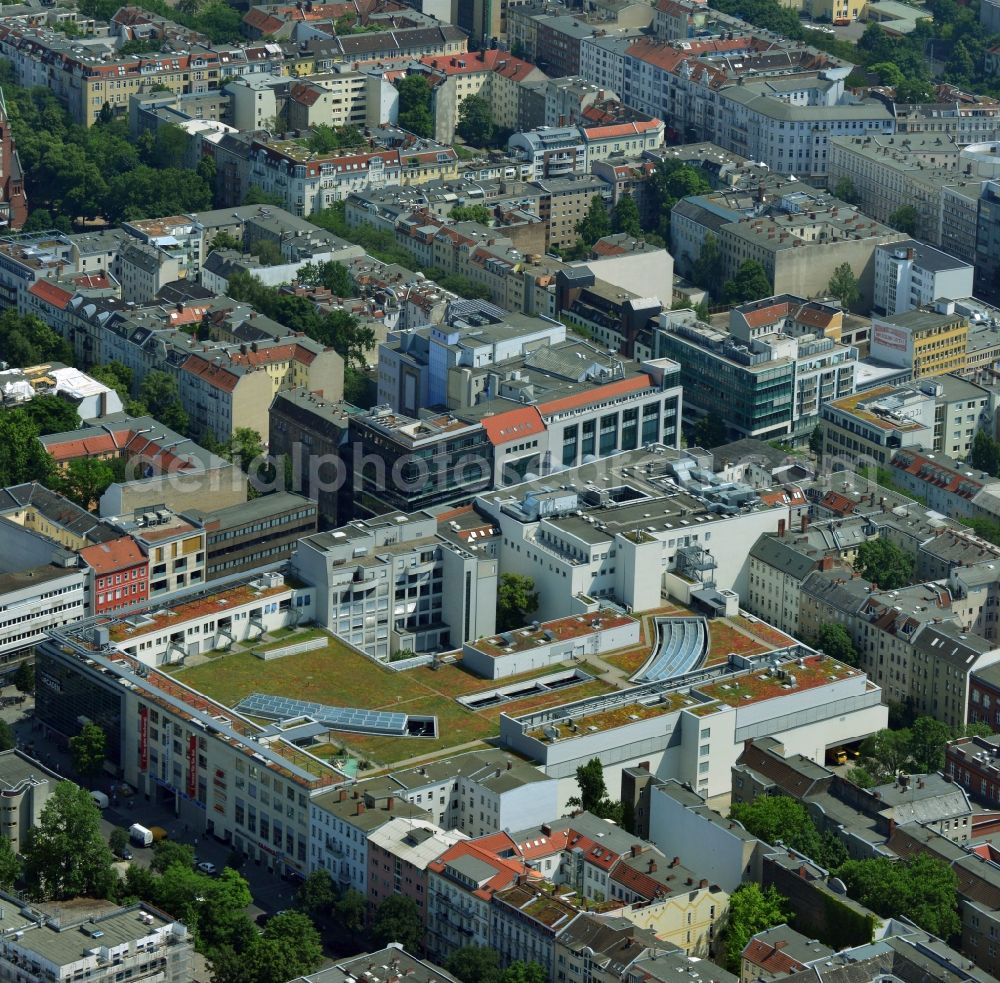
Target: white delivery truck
(139, 835)
(100, 799)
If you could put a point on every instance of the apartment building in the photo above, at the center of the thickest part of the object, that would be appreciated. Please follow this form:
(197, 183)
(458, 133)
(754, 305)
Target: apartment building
(162, 469)
(928, 172)
(85, 78)
(118, 575)
(988, 241)
(173, 547)
(937, 414)
(341, 822)
(226, 387)
(492, 74)
(910, 275)
(461, 883)
(307, 181)
(26, 785)
(398, 856)
(257, 533)
(910, 641)
(396, 582)
(946, 485)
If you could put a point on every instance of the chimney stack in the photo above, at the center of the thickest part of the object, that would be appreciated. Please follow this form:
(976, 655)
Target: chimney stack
(805, 522)
(781, 527)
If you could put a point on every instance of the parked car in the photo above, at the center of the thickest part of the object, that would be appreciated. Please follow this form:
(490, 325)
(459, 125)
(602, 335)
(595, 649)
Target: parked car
(207, 868)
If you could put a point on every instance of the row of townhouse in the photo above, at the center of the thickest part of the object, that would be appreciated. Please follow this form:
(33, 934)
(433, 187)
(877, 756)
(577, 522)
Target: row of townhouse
(519, 892)
(89, 74)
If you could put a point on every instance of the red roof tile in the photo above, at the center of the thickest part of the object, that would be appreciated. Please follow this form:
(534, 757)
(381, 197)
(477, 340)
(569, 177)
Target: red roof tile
(620, 388)
(50, 293)
(621, 130)
(770, 957)
(119, 554)
(505, 428)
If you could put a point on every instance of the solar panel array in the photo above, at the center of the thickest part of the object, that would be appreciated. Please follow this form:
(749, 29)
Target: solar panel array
(337, 718)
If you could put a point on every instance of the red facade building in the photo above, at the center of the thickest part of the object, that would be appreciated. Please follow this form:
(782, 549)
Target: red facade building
(119, 575)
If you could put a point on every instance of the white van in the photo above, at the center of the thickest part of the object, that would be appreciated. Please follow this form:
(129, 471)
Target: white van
(100, 800)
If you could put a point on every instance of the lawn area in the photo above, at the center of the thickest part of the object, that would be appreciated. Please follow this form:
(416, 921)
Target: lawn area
(630, 660)
(724, 638)
(764, 632)
(338, 676)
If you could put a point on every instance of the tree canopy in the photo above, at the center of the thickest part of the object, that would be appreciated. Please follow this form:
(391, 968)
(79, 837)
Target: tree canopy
(397, 919)
(751, 910)
(884, 563)
(844, 286)
(750, 283)
(65, 855)
(834, 639)
(88, 749)
(780, 818)
(593, 795)
(476, 125)
(921, 888)
(596, 224)
(517, 600)
(415, 105)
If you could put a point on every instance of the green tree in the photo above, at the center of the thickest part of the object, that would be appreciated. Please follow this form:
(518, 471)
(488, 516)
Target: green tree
(119, 377)
(834, 639)
(590, 781)
(26, 339)
(10, 865)
(223, 240)
(352, 911)
(889, 73)
(707, 271)
(960, 67)
(148, 192)
(160, 392)
(166, 148)
(85, 480)
(914, 90)
(885, 753)
(51, 414)
(295, 944)
(751, 910)
(884, 563)
(118, 840)
(985, 453)
(245, 447)
(316, 894)
(846, 191)
(927, 740)
(863, 777)
(258, 196)
(8, 739)
(88, 749)
(844, 286)
(65, 855)
(472, 213)
(750, 283)
(517, 600)
(166, 853)
(397, 919)
(475, 121)
(22, 457)
(922, 888)
(625, 217)
(415, 105)
(670, 181)
(905, 219)
(774, 818)
(24, 678)
(525, 972)
(816, 440)
(330, 274)
(475, 964)
(268, 252)
(710, 430)
(595, 224)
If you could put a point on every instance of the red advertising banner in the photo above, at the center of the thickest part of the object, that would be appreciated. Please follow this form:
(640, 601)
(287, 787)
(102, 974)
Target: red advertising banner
(192, 766)
(143, 738)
